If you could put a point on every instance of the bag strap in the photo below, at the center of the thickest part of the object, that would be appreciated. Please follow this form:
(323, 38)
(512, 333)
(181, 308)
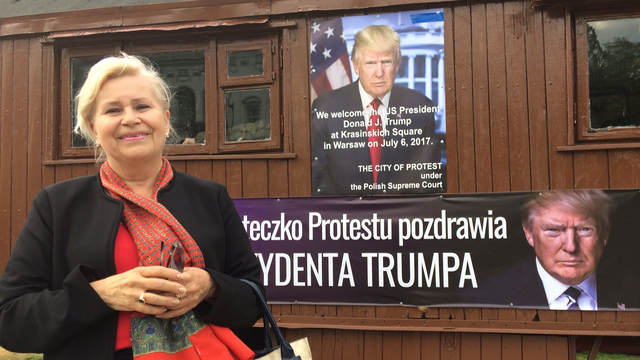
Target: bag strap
(285, 348)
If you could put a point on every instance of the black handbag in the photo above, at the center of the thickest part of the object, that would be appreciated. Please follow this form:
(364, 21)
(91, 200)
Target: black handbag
(296, 350)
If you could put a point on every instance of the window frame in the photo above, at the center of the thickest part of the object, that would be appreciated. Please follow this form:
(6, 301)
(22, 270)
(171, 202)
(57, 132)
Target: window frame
(144, 42)
(582, 128)
(67, 102)
(268, 80)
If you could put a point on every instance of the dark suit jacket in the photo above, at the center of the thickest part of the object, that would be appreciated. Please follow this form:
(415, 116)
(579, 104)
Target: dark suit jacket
(47, 304)
(334, 170)
(519, 285)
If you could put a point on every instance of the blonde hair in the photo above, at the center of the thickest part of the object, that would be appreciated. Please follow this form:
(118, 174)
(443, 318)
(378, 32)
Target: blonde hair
(107, 69)
(378, 38)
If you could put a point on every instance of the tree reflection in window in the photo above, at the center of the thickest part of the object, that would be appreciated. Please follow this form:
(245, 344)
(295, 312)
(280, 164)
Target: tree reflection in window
(184, 73)
(183, 117)
(614, 73)
(80, 67)
(245, 63)
(247, 115)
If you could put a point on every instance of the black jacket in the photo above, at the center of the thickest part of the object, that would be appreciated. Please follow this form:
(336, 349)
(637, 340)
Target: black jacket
(47, 304)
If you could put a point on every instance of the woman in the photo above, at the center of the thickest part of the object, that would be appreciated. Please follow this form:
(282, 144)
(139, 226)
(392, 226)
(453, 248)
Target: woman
(89, 277)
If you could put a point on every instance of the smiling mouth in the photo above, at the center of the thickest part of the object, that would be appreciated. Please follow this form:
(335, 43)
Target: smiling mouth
(133, 136)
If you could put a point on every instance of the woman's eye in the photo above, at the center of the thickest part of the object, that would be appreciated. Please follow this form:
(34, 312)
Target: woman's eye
(112, 110)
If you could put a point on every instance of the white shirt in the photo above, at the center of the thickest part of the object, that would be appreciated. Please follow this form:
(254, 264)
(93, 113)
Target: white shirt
(554, 290)
(368, 108)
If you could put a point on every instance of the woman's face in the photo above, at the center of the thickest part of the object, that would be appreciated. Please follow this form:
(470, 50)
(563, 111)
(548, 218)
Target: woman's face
(129, 122)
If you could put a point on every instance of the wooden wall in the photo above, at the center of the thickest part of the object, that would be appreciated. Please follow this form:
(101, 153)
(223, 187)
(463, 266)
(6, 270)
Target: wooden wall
(509, 96)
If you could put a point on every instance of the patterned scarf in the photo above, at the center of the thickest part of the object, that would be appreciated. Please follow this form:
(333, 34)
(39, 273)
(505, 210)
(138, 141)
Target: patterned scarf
(154, 228)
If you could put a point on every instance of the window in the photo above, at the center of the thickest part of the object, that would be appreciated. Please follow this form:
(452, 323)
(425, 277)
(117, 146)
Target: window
(226, 94)
(608, 76)
(248, 87)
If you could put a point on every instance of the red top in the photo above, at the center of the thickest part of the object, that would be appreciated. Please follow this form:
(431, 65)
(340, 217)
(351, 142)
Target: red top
(126, 258)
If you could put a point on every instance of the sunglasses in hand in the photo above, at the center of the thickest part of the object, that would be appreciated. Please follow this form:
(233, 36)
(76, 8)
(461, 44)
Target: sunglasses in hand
(176, 256)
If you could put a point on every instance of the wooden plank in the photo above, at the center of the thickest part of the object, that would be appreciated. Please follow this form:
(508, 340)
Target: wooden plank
(179, 165)
(628, 317)
(558, 348)
(517, 96)
(589, 316)
(233, 171)
(481, 116)
(605, 316)
(534, 347)
(392, 345)
(536, 98)
(491, 346)
(453, 183)
(329, 338)
(591, 169)
(296, 90)
(511, 347)
(563, 326)
(526, 314)
(19, 145)
(366, 312)
(410, 345)
(473, 313)
(49, 114)
(451, 313)
(489, 314)
(219, 171)
(344, 311)
(464, 100)
(63, 172)
(391, 312)
(326, 310)
(6, 85)
(35, 114)
(624, 169)
(78, 170)
(506, 314)
(569, 316)
(471, 346)
(278, 183)
(498, 97)
(450, 347)
(254, 178)
(337, 347)
(560, 164)
(315, 341)
(201, 169)
(429, 345)
(373, 345)
(547, 315)
(187, 11)
(352, 346)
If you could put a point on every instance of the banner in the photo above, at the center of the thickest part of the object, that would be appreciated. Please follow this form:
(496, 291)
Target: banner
(449, 250)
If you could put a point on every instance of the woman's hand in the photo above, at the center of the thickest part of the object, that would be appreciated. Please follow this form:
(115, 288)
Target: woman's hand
(199, 285)
(160, 285)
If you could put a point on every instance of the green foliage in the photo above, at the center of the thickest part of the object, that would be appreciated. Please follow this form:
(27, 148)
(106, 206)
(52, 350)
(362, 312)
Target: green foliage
(604, 356)
(614, 78)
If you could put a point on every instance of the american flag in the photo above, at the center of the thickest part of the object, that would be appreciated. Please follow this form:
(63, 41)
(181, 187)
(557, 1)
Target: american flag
(330, 66)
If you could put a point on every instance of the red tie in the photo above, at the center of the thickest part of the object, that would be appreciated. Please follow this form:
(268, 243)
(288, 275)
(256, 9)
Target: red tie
(375, 138)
